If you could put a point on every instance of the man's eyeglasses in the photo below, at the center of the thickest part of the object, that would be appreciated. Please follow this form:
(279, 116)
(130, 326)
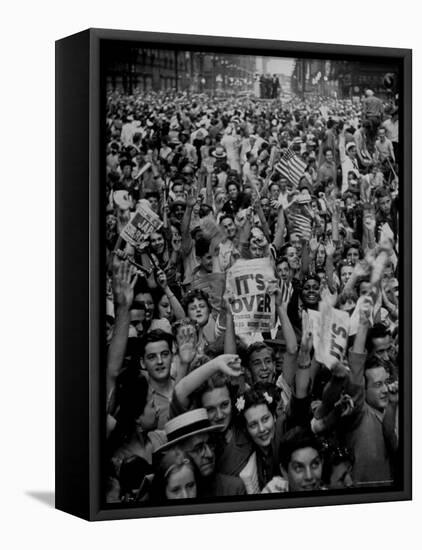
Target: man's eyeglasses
(201, 448)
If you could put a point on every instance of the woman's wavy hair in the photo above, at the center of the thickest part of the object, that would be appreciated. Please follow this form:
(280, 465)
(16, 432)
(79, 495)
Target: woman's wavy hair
(198, 294)
(261, 393)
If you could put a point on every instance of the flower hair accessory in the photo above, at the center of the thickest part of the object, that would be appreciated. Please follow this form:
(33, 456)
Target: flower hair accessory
(240, 403)
(267, 398)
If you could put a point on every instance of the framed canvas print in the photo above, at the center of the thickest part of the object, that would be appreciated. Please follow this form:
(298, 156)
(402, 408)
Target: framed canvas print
(233, 274)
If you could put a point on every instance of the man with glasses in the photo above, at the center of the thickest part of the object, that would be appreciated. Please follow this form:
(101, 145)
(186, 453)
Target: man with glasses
(192, 433)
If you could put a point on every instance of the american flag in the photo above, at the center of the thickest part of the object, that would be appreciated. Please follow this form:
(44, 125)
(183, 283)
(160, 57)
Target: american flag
(291, 167)
(300, 222)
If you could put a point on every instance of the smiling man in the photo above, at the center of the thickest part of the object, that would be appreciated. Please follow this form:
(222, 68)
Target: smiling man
(156, 358)
(261, 363)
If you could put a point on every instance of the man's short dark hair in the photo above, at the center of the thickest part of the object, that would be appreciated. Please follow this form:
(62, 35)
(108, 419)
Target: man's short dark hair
(281, 260)
(379, 330)
(226, 215)
(153, 336)
(295, 439)
(272, 184)
(202, 247)
(152, 194)
(382, 192)
(259, 346)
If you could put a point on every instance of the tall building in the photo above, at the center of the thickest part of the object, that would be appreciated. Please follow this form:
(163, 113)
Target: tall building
(131, 69)
(344, 78)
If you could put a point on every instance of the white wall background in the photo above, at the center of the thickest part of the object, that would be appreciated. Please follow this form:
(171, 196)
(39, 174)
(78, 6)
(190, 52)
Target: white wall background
(27, 37)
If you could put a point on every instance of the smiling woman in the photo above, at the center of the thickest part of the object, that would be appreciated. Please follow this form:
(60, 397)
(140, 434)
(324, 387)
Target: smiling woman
(250, 248)
(256, 412)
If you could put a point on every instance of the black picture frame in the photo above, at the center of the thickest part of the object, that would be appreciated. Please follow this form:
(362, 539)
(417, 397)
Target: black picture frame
(79, 275)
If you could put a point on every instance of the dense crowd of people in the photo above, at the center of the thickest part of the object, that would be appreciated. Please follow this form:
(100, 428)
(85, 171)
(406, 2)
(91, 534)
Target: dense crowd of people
(252, 295)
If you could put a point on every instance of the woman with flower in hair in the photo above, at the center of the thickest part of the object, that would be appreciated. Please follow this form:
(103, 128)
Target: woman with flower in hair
(256, 412)
(212, 385)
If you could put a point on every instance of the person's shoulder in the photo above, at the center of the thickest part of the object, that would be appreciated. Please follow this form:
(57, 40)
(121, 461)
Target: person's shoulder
(229, 485)
(157, 438)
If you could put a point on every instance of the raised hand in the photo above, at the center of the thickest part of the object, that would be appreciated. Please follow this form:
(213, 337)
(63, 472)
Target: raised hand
(330, 248)
(313, 244)
(176, 243)
(186, 342)
(229, 364)
(187, 352)
(143, 243)
(340, 370)
(161, 279)
(327, 297)
(365, 310)
(369, 223)
(227, 300)
(362, 269)
(345, 405)
(337, 208)
(274, 290)
(124, 280)
(209, 165)
(250, 213)
(192, 197)
(393, 392)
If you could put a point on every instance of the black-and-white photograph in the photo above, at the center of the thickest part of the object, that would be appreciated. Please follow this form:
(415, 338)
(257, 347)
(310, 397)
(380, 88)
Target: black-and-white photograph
(252, 275)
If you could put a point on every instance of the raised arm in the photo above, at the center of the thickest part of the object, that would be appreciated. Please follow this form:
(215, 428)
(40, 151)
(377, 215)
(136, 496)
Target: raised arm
(209, 166)
(187, 242)
(304, 363)
(329, 265)
(245, 230)
(279, 233)
(312, 245)
(342, 145)
(228, 364)
(124, 279)
(176, 306)
(264, 224)
(368, 238)
(290, 359)
(389, 424)
(229, 334)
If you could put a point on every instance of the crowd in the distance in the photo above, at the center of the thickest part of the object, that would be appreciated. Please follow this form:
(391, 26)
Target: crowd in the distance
(195, 407)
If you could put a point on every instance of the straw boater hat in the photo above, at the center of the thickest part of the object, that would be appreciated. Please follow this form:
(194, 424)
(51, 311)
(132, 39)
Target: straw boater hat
(187, 425)
(219, 152)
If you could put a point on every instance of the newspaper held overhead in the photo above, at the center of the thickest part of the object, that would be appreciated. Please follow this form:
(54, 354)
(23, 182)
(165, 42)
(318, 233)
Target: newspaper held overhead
(253, 308)
(141, 225)
(330, 329)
